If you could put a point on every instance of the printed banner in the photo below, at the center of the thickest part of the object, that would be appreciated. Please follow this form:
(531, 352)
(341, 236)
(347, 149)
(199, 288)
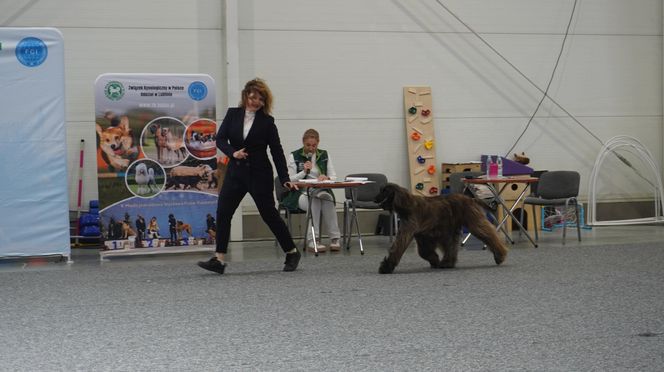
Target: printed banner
(157, 162)
(34, 199)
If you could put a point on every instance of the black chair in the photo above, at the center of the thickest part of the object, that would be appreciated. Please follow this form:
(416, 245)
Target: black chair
(362, 197)
(281, 193)
(557, 188)
(456, 181)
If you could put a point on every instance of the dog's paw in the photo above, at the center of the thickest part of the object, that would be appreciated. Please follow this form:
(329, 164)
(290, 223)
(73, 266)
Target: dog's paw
(499, 258)
(446, 264)
(386, 267)
(434, 261)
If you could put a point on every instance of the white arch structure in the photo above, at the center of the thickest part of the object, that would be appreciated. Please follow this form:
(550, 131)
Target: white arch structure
(645, 155)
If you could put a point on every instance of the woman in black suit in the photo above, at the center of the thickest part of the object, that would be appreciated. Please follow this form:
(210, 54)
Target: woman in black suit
(244, 135)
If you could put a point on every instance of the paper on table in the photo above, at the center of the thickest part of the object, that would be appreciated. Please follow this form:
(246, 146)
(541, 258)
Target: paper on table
(357, 179)
(313, 180)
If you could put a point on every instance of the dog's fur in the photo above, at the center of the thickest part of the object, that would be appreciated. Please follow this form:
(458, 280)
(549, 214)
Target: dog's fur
(186, 177)
(127, 231)
(145, 180)
(435, 222)
(170, 149)
(116, 144)
(182, 227)
(159, 142)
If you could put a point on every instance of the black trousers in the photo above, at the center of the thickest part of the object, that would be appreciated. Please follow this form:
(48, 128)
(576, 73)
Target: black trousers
(139, 237)
(236, 186)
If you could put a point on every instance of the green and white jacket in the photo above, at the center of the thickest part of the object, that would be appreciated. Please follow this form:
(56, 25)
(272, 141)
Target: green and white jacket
(322, 166)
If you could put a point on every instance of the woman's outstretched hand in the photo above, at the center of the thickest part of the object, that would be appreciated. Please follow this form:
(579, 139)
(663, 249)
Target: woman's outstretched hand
(291, 186)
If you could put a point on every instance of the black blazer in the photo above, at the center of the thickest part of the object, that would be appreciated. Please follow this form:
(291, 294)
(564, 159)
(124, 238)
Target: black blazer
(263, 133)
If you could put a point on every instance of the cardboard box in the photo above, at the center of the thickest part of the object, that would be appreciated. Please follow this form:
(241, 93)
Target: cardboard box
(528, 221)
(512, 190)
(449, 168)
(460, 167)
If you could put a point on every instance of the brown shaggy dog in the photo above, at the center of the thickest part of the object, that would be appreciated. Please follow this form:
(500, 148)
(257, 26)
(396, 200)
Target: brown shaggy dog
(127, 231)
(182, 227)
(435, 222)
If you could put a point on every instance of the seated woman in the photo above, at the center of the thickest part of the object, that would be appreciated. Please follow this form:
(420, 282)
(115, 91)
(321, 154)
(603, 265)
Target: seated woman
(153, 229)
(310, 162)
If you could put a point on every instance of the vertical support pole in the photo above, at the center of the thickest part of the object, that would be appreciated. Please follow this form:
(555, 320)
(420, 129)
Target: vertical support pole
(79, 201)
(232, 73)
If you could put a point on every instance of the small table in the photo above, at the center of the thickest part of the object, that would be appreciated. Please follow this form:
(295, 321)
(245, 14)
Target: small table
(308, 185)
(492, 185)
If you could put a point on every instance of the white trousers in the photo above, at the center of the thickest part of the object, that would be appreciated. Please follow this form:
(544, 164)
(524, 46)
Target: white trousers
(322, 204)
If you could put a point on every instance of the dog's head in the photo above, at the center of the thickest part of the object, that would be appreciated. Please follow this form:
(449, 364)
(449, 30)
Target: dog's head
(206, 172)
(391, 197)
(110, 140)
(115, 140)
(141, 169)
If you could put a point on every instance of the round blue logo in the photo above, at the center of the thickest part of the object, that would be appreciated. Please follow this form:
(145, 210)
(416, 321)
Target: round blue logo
(197, 91)
(31, 52)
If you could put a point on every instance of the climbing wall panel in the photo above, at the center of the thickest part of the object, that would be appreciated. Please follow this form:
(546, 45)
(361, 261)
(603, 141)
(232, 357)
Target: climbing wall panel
(424, 177)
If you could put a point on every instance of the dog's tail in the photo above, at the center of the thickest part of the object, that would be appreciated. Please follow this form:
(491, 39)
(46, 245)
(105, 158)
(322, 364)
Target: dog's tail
(479, 225)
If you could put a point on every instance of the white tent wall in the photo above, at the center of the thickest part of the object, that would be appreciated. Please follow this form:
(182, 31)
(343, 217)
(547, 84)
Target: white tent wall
(164, 36)
(339, 67)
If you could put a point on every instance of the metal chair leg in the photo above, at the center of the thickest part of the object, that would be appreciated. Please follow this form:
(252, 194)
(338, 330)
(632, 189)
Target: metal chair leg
(347, 225)
(463, 242)
(394, 226)
(359, 234)
(523, 211)
(276, 242)
(289, 223)
(578, 221)
(564, 222)
(535, 222)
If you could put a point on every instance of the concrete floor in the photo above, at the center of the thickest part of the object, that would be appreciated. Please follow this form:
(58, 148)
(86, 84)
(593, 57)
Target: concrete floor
(590, 305)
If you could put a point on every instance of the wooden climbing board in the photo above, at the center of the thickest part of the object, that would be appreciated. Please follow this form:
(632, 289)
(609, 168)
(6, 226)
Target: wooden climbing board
(424, 176)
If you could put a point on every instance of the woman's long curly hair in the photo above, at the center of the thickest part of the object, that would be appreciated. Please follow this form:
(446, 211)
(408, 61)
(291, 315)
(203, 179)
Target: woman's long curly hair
(259, 86)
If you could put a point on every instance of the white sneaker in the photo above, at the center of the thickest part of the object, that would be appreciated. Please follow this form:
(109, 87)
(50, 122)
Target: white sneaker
(334, 245)
(319, 246)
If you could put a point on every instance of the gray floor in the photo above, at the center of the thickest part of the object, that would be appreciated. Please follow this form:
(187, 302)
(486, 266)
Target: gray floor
(596, 305)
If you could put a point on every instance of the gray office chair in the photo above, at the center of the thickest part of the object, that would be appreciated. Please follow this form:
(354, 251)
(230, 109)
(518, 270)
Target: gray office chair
(364, 199)
(557, 188)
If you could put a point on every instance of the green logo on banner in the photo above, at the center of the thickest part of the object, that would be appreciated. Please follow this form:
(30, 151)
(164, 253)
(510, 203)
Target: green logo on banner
(114, 90)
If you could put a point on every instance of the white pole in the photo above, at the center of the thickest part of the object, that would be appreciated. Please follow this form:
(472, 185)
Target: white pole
(232, 53)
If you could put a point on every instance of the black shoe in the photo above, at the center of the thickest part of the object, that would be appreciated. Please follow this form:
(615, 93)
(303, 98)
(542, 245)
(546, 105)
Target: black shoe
(292, 259)
(213, 264)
